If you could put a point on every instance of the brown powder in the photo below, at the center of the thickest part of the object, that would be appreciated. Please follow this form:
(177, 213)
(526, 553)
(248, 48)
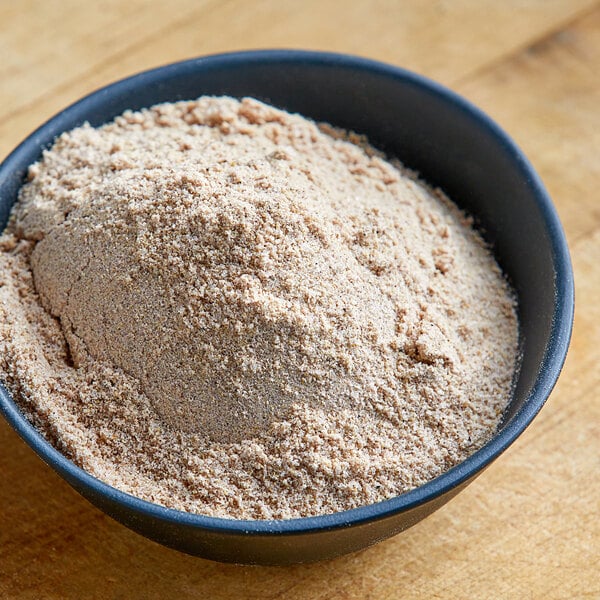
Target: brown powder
(224, 308)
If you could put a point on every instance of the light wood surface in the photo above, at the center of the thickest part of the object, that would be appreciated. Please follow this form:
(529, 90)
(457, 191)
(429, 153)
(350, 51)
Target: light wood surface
(529, 527)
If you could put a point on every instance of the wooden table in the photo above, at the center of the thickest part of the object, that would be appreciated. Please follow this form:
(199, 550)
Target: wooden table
(529, 527)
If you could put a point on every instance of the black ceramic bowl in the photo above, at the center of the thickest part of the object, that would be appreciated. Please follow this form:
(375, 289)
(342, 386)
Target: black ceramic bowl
(453, 145)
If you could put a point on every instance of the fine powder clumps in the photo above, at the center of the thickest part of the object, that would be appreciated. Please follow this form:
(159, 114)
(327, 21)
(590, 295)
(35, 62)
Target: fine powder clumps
(228, 309)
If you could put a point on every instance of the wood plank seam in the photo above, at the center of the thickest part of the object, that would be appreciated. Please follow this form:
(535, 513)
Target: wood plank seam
(522, 48)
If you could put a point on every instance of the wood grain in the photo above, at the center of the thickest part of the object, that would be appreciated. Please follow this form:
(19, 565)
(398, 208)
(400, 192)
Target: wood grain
(548, 98)
(528, 527)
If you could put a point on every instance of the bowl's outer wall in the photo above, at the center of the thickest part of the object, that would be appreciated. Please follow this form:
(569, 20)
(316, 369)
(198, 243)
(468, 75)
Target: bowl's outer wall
(269, 549)
(446, 141)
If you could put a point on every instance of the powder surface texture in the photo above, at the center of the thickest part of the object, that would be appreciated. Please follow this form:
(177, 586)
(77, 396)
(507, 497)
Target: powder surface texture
(227, 309)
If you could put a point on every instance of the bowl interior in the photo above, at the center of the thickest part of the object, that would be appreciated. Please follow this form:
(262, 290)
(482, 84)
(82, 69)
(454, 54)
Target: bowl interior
(451, 144)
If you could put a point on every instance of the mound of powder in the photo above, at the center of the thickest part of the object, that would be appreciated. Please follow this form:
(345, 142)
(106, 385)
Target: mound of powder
(224, 308)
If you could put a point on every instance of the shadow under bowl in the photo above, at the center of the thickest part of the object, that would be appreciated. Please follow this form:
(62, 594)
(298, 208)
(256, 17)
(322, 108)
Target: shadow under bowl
(452, 145)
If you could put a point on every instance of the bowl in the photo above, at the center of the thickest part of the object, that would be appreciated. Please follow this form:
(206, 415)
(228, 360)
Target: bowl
(451, 144)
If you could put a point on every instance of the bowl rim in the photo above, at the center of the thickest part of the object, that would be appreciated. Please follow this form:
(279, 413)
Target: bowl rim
(554, 355)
